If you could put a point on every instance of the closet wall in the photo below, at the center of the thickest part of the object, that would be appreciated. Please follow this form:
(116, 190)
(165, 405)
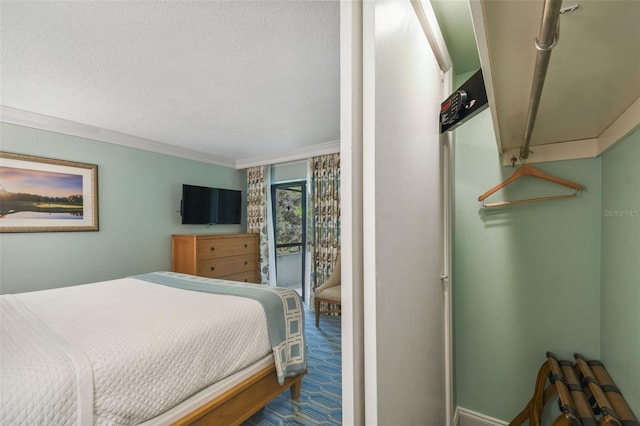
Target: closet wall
(620, 292)
(526, 278)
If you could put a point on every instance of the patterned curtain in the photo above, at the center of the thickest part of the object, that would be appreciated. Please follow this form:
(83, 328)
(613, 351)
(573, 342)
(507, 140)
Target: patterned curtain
(257, 189)
(325, 217)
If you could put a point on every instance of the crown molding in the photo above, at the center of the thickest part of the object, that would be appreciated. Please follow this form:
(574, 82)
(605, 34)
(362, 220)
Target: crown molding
(623, 126)
(43, 122)
(57, 125)
(292, 155)
(572, 150)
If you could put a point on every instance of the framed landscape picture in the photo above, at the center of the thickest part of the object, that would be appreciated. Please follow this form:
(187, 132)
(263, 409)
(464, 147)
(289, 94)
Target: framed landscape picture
(44, 195)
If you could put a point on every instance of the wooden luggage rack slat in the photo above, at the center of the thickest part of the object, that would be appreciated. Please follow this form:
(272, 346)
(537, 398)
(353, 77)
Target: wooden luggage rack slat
(587, 395)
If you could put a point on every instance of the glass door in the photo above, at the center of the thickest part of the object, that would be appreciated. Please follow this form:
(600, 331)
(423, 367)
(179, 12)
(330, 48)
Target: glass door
(289, 206)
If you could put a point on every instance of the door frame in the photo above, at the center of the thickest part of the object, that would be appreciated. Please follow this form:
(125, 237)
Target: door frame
(352, 105)
(284, 185)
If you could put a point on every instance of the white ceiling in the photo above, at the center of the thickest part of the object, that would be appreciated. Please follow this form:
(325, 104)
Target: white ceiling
(233, 80)
(247, 82)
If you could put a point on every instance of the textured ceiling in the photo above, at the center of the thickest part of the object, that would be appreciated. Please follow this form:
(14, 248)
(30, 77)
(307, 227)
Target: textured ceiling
(227, 78)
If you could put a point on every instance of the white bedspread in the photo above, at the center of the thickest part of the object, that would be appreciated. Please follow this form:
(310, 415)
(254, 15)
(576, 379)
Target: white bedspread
(140, 348)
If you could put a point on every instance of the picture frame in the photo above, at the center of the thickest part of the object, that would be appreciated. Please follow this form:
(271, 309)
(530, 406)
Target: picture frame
(47, 195)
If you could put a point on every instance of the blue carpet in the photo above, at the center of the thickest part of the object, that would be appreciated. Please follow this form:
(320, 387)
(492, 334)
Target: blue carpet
(320, 400)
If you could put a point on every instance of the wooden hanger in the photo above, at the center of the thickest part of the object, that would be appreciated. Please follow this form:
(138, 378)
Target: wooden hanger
(527, 170)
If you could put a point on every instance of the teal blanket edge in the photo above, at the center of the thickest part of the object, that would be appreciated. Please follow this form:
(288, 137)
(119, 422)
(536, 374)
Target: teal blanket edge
(282, 307)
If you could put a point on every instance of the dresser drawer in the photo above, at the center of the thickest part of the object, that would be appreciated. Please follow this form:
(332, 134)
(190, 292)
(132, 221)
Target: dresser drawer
(219, 267)
(233, 257)
(247, 277)
(223, 247)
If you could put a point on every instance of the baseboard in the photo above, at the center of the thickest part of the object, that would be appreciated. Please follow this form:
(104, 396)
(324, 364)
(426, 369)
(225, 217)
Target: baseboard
(464, 417)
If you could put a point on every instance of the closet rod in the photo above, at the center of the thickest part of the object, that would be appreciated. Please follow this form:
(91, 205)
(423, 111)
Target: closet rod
(547, 40)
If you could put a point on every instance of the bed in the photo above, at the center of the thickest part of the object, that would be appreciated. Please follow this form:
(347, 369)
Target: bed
(153, 349)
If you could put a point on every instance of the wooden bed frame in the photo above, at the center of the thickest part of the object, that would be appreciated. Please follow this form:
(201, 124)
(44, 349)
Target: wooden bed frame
(243, 400)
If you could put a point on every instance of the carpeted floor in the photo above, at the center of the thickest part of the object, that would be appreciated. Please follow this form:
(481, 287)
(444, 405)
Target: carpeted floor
(321, 395)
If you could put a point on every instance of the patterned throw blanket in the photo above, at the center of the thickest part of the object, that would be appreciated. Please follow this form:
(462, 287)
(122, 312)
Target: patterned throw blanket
(282, 307)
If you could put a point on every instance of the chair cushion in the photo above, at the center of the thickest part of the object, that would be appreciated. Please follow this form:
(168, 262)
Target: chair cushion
(331, 293)
(334, 278)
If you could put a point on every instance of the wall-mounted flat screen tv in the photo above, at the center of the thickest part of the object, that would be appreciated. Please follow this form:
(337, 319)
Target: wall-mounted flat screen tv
(204, 205)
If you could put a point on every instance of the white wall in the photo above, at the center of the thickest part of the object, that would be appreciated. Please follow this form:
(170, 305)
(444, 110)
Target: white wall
(403, 309)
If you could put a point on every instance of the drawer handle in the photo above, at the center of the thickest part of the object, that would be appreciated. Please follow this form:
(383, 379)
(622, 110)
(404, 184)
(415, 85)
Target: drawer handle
(245, 246)
(213, 268)
(213, 248)
(246, 280)
(246, 263)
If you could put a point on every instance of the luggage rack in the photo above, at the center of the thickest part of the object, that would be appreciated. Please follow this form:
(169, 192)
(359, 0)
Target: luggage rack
(587, 395)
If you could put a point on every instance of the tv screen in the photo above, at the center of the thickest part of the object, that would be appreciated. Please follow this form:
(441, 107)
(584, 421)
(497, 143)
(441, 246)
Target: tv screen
(204, 205)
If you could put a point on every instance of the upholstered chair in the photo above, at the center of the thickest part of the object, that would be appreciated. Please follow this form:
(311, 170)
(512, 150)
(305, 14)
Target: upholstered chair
(329, 292)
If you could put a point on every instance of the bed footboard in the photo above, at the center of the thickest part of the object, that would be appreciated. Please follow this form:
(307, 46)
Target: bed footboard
(241, 402)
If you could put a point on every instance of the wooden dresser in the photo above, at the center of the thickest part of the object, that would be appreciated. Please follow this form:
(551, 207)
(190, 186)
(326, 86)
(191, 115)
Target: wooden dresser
(233, 257)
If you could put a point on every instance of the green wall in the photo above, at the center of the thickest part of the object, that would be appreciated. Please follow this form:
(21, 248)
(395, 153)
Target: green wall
(526, 278)
(620, 293)
(139, 199)
(288, 172)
